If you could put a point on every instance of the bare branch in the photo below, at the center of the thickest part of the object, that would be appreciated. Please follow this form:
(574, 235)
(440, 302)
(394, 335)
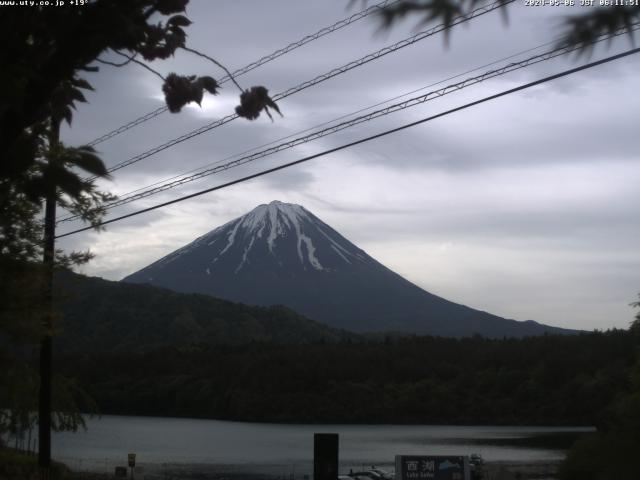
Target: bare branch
(130, 59)
(107, 62)
(216, 63)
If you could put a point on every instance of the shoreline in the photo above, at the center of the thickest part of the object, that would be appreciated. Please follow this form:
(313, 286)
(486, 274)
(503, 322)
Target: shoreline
(524, 470)
(25, 467)
(496, 470)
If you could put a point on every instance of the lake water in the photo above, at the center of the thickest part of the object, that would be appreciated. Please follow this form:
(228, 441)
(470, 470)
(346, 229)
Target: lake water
(281, 449)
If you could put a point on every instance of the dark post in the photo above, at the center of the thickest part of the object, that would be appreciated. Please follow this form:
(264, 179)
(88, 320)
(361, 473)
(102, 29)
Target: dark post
(44, 405)
(325, 456)
(132, 462)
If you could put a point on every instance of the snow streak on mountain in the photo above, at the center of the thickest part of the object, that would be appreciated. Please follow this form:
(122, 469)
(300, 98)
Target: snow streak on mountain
(283, 254)
(272, 229)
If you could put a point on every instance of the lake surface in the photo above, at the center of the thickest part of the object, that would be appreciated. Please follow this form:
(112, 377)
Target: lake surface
(283, 449)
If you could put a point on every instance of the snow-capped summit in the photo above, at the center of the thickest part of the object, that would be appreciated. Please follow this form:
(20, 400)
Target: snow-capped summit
(279, 229)
(281, 253)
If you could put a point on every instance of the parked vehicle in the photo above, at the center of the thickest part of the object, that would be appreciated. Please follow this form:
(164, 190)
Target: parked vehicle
(372, 473)
(383, 473)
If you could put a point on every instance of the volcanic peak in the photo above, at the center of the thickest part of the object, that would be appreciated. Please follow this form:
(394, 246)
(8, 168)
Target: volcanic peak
(270, 224)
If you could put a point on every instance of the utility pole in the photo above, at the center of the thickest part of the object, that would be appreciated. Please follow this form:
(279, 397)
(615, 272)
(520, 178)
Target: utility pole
(46, 368)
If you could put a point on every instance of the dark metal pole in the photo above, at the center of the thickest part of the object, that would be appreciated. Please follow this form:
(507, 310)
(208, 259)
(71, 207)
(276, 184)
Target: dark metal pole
(44, 404)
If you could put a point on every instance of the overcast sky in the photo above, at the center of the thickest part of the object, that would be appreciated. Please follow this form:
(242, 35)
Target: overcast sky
(527, 206)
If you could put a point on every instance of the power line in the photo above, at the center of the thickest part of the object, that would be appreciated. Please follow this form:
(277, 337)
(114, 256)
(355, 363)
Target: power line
(133, 196)
(247, 68)
(342, 117)
(128, 126)
(130, 193)
(362, 140)
(319, 79)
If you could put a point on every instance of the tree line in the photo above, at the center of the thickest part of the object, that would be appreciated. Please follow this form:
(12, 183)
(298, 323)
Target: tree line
(548, 380)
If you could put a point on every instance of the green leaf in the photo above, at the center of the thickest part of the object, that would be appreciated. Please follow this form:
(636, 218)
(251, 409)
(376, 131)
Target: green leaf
(77, 95)
(66, 114)
(65, 180)
(81, 83)
(167, 7)
(180, 90)
(87, 161)
(254, 101)
(209, 84)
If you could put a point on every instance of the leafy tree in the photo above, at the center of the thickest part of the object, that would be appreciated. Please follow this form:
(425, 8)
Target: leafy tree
(580, 30)
(50, 47)
(23, 280)
(46, 51)
(635, 325)
(611, 453)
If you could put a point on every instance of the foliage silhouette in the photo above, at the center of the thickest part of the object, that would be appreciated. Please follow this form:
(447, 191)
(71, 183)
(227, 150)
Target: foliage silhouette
(580, 29)
(611, 453)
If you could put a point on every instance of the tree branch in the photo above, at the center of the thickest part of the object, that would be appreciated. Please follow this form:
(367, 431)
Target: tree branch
(132, 59)
(114, 64)
(216, 63)
(129, 59)
(107, 62)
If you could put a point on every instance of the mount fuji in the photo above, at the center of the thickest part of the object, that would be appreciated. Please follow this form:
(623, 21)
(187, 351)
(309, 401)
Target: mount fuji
(282, 254)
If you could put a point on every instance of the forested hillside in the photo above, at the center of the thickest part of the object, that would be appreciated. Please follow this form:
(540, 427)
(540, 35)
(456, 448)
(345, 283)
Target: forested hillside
(97, 315)
(549, 380)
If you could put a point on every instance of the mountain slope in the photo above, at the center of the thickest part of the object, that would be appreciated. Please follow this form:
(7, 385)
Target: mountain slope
(283, 254)
(102, 316)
